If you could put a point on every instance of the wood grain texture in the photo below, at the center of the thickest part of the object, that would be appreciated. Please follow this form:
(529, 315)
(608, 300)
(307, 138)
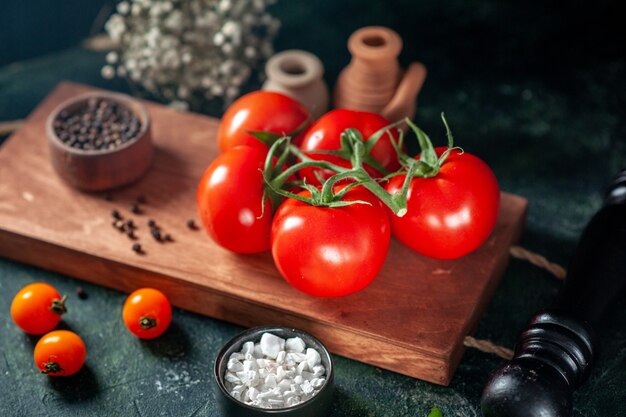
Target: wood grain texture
(411, 320)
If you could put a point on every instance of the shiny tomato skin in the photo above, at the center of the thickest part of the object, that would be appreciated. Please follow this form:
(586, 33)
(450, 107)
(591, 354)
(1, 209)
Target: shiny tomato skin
(451, 214)
(325, 134)
(264, 111)
(147, 313)
(60, 353)
(31, 308)
(229, 200)
(330, 252)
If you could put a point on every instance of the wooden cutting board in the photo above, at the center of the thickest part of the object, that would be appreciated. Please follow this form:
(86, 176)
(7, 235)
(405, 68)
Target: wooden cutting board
(411, 320)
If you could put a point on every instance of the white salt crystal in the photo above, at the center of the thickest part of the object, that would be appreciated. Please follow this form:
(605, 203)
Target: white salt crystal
(295, 344)
(302, 366)
(317, 382)
(271, 345)
(249, 366)
(291, 401)
(276, 402)
(313, 357)
(248, 347)
(307, 388)
(307, 376)
(253, 392)
(232, 378)
(297, 357)
(234, 365)
(270, 381)
(280, 358)
(284, 385)
(298, 380)
(237, 356)
(280, 373)
(318, 370)
(258, 352)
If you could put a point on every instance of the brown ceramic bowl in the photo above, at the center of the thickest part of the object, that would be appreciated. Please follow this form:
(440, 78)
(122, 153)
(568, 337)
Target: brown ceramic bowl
(98, 170)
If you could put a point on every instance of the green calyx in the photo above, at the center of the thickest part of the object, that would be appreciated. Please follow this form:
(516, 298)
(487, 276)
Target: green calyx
(269, 138)
(277, 174)
(58, 306)
(429, 163)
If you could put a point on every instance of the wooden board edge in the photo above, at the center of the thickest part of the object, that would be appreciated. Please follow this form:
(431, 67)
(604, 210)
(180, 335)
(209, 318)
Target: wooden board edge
(339, 340)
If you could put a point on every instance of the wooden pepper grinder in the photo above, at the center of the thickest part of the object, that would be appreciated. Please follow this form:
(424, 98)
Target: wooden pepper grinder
(553, 356)
(374, 81)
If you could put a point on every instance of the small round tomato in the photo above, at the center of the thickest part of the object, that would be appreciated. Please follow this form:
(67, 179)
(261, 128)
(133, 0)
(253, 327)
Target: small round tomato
(330, 252)
(147, 313)
(325, 135)
(451, 214)
(60, 353)
(230, 201)
(37, 308)
(259, 111)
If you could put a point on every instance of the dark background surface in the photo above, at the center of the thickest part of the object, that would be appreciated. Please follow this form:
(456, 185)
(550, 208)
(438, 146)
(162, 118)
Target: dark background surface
(536, 88)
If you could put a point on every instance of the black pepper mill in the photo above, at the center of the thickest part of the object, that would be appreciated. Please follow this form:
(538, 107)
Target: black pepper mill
(554, 354)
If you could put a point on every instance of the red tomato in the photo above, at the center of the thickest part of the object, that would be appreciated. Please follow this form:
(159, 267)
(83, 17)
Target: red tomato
(330, 252)
(229, 198)
(37, 308)
(264, 111)
(325, 134)
(147, 313)
(60, 353)
(452, 213)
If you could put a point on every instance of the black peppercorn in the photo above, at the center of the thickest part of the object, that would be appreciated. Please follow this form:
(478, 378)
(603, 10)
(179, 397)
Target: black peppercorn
(81, 293)
(116, 215)
(156, 234)
(134, 208)
(137, 248)
(152, 223)
(191, 224)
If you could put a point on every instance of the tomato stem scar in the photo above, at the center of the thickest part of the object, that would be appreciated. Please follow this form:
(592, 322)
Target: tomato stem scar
(147, 322)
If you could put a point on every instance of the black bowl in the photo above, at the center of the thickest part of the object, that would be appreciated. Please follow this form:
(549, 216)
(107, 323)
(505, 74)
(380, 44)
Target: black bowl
(317, 406)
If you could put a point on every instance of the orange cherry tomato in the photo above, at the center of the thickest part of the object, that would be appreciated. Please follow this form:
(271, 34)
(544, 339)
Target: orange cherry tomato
(60, 353)
(37, 308)
(147, 313)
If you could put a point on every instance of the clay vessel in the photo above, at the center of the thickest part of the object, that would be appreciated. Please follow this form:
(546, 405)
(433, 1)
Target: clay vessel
(298, 74)
(374, 81)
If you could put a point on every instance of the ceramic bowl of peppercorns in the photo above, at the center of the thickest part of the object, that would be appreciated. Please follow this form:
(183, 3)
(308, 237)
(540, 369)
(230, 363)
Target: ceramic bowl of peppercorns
(99, 141)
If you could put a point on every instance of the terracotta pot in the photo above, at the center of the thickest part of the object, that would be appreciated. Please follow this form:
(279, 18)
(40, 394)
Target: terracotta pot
(374, 81)
(298, 74)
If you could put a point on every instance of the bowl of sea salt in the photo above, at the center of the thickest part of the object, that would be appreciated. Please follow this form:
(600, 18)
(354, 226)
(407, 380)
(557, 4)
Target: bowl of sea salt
(276, 371)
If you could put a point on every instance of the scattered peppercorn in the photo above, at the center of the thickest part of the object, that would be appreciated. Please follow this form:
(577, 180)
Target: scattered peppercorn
(152, 223)
(156, 234)
(135, 209)
(168, 238)
(137, 248)
(131, 234)
(116, 214)
(81, 293)
(119, 225)
(191, 224)
(130, 224)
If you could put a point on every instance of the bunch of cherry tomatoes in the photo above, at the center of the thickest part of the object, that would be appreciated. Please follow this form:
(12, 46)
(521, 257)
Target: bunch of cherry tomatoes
(326, 198)
(37, 309)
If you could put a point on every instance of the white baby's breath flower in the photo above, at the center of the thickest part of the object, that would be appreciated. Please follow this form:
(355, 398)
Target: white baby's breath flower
(180, 49)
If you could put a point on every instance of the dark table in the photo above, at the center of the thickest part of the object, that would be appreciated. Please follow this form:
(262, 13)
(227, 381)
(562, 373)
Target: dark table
(537, 89)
